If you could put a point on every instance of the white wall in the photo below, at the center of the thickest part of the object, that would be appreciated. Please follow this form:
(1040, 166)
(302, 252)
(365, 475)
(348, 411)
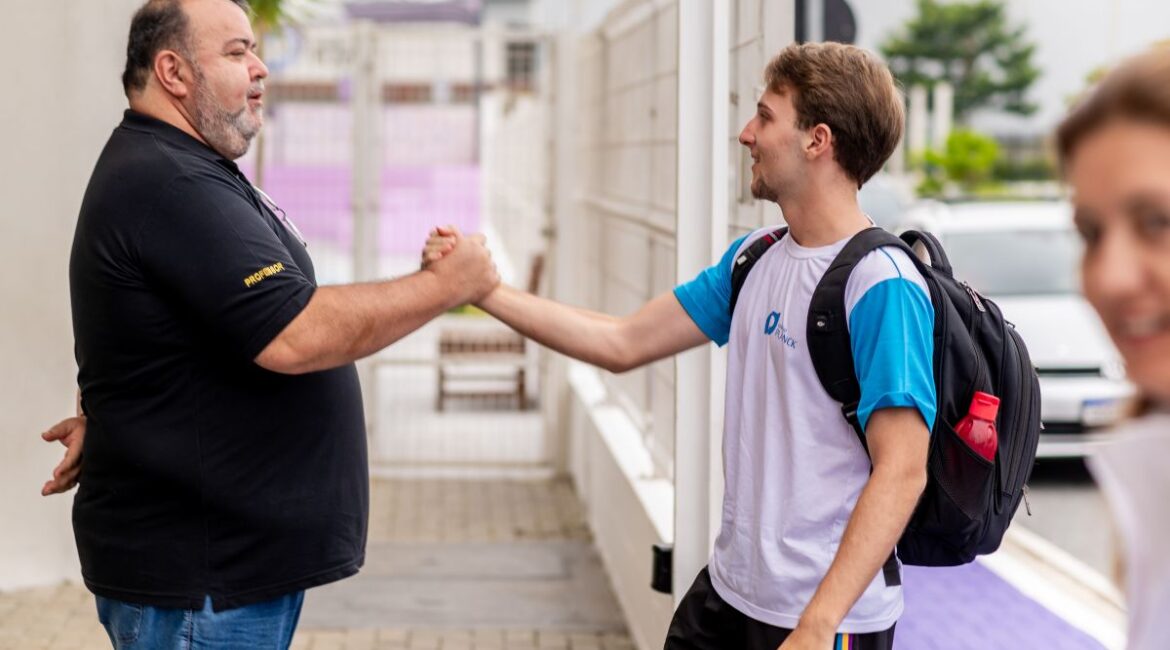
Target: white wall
(759, 30)
(606, 113)
(629, 190)
(616, 183)
(586, 14)
(628, 508)
(408, 53)
(516, 176)
(60, 63)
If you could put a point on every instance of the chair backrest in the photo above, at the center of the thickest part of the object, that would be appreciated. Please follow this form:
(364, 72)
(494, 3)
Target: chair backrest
(535, 271)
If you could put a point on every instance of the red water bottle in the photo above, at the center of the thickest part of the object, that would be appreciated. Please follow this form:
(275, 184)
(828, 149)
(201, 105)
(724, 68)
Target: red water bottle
(977, 428)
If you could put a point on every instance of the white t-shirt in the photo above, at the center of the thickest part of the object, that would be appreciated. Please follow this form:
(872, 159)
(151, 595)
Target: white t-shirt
(1134, 473)
(793, 466)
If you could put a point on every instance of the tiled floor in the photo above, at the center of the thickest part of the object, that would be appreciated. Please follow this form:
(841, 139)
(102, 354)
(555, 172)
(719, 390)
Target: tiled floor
(508, 565)
(474, 511)
(460, 522)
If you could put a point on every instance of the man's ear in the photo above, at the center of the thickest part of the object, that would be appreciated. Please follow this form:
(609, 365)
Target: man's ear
(173, 73)
(820, 140)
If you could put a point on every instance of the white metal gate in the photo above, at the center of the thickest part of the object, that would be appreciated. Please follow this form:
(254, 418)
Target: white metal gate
(379, 132)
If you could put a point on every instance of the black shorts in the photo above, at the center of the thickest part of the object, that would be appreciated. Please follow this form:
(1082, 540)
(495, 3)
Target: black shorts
(704, 621)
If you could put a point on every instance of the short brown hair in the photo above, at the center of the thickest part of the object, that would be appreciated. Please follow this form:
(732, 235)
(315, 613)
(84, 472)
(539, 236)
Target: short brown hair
(851, 91)
(1138, 89)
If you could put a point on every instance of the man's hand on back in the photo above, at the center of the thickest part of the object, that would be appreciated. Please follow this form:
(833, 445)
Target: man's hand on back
(71, 433)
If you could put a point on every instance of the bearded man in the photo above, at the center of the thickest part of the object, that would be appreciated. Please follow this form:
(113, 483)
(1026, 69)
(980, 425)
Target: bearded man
(220, 416)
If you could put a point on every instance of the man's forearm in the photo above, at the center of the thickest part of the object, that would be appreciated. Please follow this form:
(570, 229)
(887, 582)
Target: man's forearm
(590, 336)
(344, 323)
(877, 522)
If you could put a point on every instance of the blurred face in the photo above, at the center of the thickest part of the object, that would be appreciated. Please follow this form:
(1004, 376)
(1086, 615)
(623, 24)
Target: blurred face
(226, 100)
(775, 144)
(1120, 176)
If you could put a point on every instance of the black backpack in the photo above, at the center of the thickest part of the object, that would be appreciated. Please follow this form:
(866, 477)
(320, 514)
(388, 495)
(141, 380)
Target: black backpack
(968, 502)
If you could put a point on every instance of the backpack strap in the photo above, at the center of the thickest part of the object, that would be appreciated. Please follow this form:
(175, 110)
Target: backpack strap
(747, 259)
(829, 346)
(937, 256)
(828, 329)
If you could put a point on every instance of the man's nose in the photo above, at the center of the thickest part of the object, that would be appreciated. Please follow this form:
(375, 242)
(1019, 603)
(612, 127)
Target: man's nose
(746, 137)
(259, 70)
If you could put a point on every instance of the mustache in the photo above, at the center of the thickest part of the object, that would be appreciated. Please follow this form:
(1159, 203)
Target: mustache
(256, 89)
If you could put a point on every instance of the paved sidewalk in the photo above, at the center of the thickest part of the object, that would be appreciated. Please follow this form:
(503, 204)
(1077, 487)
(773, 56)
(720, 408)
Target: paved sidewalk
(451, 565)
(509, 565)
(56, 618)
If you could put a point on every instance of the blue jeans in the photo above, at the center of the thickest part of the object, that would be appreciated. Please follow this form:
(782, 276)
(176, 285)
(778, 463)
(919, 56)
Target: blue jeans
(268, 625)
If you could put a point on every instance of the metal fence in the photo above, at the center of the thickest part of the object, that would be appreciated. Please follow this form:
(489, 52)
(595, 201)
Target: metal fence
(375, 134)
(629, 80)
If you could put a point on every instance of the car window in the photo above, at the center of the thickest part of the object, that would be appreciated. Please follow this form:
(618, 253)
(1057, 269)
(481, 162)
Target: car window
(1016, 262)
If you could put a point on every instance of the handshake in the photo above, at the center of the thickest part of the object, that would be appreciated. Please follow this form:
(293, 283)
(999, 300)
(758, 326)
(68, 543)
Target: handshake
(462, 262)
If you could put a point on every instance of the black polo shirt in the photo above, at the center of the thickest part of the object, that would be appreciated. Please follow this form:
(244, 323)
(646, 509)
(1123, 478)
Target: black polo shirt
(203, 474)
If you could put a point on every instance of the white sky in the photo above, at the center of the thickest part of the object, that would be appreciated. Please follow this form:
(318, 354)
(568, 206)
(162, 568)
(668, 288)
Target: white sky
(1073, 37)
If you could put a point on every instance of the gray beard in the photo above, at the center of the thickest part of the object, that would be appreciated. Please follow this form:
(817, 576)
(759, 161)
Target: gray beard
(230, 134)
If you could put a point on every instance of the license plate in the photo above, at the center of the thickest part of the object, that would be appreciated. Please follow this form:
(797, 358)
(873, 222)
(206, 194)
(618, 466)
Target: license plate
(1100, 412)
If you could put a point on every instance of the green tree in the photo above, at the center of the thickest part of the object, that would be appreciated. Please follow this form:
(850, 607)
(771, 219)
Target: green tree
(268, 16)
(972, 46)
(967, 161)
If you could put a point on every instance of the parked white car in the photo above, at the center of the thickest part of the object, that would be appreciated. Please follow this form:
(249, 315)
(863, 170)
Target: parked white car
(1025, 256)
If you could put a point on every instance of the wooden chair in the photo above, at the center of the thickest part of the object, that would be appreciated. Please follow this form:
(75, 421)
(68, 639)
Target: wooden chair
(486, 359)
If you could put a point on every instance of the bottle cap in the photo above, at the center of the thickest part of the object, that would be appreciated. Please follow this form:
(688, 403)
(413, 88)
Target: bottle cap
(984, 406)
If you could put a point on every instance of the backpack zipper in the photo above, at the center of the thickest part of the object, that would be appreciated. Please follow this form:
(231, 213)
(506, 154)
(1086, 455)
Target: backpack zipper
(1016, 435)
(1000, 464)
(974, 296)
(1021, 438)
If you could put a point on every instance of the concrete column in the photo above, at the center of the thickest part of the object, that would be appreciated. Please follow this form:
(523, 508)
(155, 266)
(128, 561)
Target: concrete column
(943, 115)
(779, 28)
(366, 176)
(565, 228)
(814, 21)
(366, 104)
(703, 88)
(916, 122)
(56, 116)
(897, 161)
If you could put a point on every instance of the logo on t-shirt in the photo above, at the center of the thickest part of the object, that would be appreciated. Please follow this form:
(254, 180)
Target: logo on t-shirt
(773, 327)
(266, 272)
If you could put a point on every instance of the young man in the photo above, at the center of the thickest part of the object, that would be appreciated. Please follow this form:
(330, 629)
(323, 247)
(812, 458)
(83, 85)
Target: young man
(806, 526)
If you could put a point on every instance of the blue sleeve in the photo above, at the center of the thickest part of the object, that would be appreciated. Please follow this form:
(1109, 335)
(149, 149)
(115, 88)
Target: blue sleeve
(891, 331)
(707, 298)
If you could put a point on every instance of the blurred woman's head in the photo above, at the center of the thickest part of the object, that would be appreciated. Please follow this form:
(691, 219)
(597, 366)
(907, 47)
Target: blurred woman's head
(1115, 152)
